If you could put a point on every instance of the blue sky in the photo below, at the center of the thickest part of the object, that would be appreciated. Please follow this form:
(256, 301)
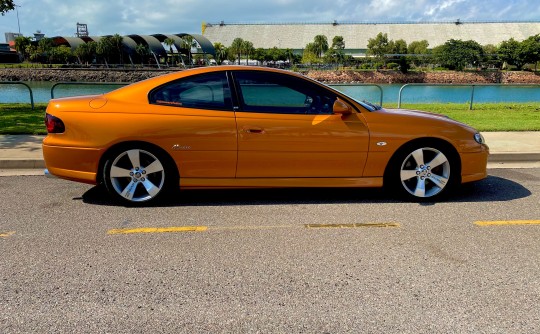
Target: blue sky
(59, 17)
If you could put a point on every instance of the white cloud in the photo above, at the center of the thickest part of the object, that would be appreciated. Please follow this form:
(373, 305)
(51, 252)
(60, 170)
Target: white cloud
(59, 17)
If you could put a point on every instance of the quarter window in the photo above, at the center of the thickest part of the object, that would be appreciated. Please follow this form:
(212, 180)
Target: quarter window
(279, 93)
(205, 91)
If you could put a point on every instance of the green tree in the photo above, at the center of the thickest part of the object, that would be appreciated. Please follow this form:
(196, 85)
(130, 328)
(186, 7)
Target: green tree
(321, 45)
(338, 43)
(170, 42)
(400, 47)
(21, 43)
(236, 48)
(86, 52)
(531, 49)
(6, 6)
(104, 49)
(457, 54)
(379, 46)
(511, 52)
(247, 49)
(490, 56)
(45, 46)
(260, 55)
(143, 51)
(418, 50)
(60, 54)
(117, 48)
(289, 55)
(221, 52)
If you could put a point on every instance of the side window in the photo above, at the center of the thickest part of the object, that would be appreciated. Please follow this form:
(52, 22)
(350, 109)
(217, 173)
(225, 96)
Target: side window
(280, 93)
(205, 91)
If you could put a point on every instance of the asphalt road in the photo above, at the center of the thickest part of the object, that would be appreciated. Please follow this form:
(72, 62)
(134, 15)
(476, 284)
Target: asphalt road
(263, 263)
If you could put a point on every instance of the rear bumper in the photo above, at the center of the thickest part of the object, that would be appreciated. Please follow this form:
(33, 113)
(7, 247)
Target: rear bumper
(72, 163)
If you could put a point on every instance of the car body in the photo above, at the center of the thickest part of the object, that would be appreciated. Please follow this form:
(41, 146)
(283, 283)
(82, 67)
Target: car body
(240, 126)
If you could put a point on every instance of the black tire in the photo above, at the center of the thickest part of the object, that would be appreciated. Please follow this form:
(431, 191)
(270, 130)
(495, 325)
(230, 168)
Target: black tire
(423, 172)
(138, 174)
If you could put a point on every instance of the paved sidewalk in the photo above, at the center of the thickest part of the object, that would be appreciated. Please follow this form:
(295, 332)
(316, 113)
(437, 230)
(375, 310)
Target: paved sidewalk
(24, 151)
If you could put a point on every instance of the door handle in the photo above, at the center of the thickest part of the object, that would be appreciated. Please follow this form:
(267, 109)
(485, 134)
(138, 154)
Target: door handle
(254, 130)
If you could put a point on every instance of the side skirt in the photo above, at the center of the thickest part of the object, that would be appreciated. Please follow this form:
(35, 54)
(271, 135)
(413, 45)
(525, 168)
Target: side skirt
(368, 182)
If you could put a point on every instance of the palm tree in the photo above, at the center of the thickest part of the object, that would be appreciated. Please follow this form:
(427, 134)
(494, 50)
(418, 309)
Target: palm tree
(188, 43)
(117, 47)
(21, 43)
(237, 47)
(221, 52)
(143, 51)
(169, 42)
(321, 45)
(248, 49)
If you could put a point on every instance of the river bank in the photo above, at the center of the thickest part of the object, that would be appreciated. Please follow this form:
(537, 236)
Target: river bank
(340, 76)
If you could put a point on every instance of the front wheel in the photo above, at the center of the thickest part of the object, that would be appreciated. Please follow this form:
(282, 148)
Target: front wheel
(136, 175)
(424, 172)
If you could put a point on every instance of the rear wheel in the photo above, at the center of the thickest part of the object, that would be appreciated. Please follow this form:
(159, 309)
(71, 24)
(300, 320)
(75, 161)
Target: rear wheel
(422, 172)
(137, 174)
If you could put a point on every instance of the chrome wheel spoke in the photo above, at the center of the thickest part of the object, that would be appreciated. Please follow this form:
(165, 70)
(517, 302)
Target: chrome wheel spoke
(129, 191)
(420, 190)
(418, 157)
(134, 157)
(439, 160)
(438, 180)
(408, 174)
(151, 188)
(154, 167)
(119, 172)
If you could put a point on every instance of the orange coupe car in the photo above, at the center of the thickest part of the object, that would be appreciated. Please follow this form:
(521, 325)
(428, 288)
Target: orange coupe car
(240, 126)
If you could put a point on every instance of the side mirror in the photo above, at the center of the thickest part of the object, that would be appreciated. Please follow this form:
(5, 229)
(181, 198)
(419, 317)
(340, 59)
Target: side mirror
(341, 107)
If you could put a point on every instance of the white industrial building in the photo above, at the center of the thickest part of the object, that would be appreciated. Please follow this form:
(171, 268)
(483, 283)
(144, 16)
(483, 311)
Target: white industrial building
(356, 35)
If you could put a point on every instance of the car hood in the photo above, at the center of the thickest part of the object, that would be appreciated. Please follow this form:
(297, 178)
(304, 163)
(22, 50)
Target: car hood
(417, 113)
(425, 115)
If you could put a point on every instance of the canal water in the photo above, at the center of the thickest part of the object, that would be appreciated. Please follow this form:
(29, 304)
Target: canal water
(410, 94)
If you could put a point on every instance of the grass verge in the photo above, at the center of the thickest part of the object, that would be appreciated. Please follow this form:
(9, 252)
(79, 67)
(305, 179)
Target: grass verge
(18, 118)
(487, 117)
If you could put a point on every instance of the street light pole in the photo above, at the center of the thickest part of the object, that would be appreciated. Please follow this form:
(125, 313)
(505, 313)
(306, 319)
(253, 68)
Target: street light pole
(18, 23)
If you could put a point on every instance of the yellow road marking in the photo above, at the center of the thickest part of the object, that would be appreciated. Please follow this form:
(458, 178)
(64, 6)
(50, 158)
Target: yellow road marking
(507, 222)
(6, 234)
(158, 229)
(246, 227)
(352, 225)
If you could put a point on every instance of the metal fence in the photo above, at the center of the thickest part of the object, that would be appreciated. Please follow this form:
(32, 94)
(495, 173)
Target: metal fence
(23, 84)
(471, 101)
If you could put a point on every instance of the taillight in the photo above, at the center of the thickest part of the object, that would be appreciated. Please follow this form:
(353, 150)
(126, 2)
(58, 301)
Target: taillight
(54, 124)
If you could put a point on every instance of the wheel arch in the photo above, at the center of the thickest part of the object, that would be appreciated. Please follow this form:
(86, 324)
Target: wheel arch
(135, 143)
(426, 142)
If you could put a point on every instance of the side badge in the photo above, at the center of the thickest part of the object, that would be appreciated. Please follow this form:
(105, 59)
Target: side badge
(177, 147)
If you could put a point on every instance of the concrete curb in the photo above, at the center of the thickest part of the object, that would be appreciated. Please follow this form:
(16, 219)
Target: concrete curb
(22, 163)
(515, 157)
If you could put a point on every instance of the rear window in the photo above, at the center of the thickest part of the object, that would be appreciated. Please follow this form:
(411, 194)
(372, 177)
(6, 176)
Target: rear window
(204, 91)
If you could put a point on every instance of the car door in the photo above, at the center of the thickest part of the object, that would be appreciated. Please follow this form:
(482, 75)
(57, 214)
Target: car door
(286, 128)
(201, 124)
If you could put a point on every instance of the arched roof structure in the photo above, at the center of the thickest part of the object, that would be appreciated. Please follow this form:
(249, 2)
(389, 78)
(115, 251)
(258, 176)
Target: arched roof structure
(72, 42)
(130, 42)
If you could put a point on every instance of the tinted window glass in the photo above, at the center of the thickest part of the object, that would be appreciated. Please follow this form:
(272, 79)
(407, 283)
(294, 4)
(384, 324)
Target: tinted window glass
(205, 91)
(281, 93)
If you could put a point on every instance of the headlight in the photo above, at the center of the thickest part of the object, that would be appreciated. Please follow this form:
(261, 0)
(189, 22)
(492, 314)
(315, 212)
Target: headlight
(479, 138)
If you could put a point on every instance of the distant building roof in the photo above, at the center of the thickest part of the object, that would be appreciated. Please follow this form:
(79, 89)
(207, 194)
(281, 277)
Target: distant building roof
(356, 35)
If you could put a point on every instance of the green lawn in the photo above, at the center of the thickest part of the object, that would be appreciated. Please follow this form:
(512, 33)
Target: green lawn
(21, 119)
(487, 116)
(18, 118)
